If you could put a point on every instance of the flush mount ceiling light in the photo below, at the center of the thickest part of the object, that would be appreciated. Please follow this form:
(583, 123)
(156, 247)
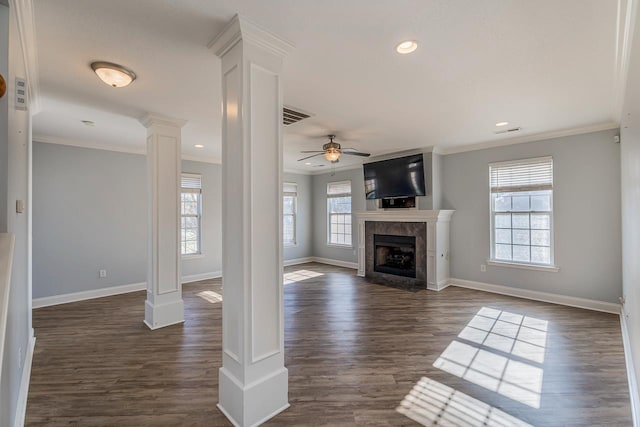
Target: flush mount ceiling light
(407, 47)
(199, 146)
(113, 74)
(502, 124)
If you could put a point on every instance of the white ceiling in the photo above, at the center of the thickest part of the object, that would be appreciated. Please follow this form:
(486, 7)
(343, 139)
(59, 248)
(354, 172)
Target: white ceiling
(545, 65)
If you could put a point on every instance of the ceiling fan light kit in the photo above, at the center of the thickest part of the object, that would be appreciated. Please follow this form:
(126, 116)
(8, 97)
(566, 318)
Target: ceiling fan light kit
(332, 151)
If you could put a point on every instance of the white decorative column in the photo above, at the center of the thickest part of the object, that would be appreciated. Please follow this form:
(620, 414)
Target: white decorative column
(164, 304)
(253, 379)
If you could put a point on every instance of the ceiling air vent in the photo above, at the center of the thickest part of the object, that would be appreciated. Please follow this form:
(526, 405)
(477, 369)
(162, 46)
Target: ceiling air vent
(498, 132)
(291, 116)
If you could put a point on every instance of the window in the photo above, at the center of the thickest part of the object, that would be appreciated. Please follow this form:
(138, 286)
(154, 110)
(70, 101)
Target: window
(522, 211)
(289, 210)
(339, 208)
(191, 211)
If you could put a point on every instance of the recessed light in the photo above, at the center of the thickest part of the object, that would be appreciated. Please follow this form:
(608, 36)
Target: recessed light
(502, 123)
(88, 123)
(113, 74)
(308, 164)
(407, 47)
(199, 146)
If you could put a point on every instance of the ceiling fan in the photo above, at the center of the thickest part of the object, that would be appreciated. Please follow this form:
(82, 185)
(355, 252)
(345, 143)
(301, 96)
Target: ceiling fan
(332, 151)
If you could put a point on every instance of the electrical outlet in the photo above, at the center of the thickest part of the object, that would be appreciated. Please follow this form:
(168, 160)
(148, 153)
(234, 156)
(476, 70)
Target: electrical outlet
(483, 268)
(103, 274)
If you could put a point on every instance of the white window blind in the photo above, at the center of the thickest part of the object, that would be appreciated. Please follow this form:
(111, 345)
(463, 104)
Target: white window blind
(289, 189)
(339, 188)
(191, 183)
(522, 175)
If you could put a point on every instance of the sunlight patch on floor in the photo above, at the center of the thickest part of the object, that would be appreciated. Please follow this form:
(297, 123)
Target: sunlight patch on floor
(484, 354)
(210, 296)
(433, 403)
(300, 275)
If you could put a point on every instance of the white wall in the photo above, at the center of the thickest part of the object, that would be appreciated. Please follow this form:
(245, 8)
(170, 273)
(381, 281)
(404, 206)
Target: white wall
(19, 330)
(630, 187)
(586, 198)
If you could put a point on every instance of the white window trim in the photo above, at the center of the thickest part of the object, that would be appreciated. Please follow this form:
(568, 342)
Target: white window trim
(539, 267)
(551, 267)
(330, 196)
(200, 253)
(295, 215)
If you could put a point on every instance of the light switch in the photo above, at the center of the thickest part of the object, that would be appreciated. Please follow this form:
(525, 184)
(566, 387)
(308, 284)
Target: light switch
(19, 206)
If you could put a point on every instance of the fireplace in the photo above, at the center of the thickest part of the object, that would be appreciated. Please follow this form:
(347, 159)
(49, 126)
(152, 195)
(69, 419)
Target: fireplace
(395, 255)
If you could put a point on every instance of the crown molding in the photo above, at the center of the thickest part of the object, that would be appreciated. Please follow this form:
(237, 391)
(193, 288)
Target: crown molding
(626, 20)
(529, 138)
(212, 160)
(47, 139)
(153, 119)
(25, 21)
(240, 28)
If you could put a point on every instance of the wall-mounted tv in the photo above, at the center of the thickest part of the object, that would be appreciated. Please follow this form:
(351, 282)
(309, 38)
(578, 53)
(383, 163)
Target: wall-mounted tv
(399, 177)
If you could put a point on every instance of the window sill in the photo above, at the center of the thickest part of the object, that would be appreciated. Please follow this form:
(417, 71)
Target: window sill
(336, 245)
(289, 245)
(547, 268)
(194, 256)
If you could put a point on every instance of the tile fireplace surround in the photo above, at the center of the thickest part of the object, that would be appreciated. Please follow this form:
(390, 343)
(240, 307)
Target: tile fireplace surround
(431, 229)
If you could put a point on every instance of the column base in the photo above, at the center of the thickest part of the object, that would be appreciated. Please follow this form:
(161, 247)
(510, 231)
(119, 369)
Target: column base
(255, 403)
(161, 315)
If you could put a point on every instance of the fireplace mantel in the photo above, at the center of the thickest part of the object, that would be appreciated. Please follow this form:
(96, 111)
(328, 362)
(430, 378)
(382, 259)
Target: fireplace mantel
(437, 238)
(414, 215)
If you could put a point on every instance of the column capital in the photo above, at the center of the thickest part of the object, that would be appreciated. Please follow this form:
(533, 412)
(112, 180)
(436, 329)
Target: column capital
(151, 119)
(239, 28)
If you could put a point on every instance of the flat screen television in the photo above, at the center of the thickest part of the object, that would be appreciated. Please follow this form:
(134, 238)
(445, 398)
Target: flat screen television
(400, 177)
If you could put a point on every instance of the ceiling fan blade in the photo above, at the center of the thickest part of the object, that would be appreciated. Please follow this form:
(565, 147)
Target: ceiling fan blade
(316, 151)
(313, 155)
(354, 152)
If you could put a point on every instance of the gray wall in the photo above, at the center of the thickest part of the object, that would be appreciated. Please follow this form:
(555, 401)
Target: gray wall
(358, 203)
(630, 188)
(90, 213)
(15, 187)
(304, 218)
(586, 216)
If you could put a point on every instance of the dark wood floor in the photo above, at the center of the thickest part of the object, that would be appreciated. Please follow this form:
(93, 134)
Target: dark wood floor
(357, 354)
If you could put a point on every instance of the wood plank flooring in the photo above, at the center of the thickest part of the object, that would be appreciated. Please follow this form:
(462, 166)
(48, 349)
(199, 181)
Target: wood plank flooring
(357, 353)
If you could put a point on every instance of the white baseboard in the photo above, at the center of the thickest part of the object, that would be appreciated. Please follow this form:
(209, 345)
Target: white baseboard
(440, 286)
(113, 290)
(203, 276)
(21, 408)
(296, 261)
(336, 262)
(85, 295)
(634, 393)
(589, 304)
